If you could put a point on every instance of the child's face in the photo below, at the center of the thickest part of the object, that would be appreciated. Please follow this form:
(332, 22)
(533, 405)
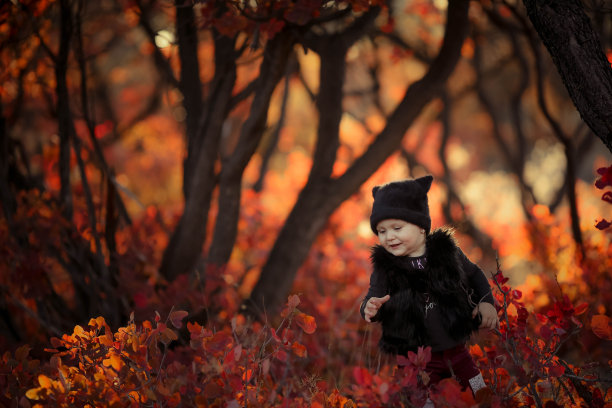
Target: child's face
(401, 238)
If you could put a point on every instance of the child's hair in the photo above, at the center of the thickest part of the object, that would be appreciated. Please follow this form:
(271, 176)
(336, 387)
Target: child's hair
(403, 200)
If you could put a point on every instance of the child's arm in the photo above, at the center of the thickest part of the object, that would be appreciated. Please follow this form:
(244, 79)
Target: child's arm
(482, 294)
(376, 297)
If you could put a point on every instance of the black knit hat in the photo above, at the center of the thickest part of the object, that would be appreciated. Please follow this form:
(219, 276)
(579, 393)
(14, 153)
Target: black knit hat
(404, 200)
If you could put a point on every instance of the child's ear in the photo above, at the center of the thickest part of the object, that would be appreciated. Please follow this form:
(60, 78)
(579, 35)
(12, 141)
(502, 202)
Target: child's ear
(374, 190)
(425, 182)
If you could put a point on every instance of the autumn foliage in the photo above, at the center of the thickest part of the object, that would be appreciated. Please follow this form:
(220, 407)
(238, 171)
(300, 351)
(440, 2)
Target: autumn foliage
(97, 138)
(318, 352)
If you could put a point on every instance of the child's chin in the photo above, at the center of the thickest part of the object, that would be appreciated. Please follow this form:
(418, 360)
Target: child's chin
(397, 251)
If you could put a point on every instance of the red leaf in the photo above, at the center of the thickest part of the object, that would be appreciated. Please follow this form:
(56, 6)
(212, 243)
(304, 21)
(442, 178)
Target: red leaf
(556, 371)
(306, 322)
(281, 355)
(141, 300)
(603, 224)
(421, 357)
(605, 179)
(607, 196)
(581, 308)
(362, 376)
(546, 333)
(500, 278)
(247, 375)
(600, 324)
(299, 349)
(274, 335)
(177, 317)
(272, 27)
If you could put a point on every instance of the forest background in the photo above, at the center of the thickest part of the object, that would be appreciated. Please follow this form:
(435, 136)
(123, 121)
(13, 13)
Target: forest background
(186, 189)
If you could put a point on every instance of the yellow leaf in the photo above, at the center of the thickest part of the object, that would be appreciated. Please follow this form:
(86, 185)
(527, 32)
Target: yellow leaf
(33, 393)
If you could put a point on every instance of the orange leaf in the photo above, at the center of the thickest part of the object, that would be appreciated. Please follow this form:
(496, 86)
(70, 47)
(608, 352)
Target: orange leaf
(581, 308)
(113, 361)
(600, 324)
(306, 322)
(44, 381)
(299, 349)
(34, 394)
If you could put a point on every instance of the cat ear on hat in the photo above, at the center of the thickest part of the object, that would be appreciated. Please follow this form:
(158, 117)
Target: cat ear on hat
(425, 182)
(375, 190)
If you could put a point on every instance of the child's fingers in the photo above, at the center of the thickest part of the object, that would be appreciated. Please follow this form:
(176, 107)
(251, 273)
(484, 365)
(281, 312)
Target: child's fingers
(378, 302)
(489, 323)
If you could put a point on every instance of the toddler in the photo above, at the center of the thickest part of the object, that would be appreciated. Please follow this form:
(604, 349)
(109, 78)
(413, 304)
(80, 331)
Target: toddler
(423, 289)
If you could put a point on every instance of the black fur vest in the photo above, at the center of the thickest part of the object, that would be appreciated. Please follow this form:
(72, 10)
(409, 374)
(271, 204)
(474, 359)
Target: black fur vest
(403, 316)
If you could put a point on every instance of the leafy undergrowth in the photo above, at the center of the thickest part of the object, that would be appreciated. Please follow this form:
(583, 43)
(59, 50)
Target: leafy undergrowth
(171, 362)
(552, 348)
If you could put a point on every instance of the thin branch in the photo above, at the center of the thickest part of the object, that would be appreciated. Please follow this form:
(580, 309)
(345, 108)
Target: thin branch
(273, 142)
(160, 60)
(80, 54)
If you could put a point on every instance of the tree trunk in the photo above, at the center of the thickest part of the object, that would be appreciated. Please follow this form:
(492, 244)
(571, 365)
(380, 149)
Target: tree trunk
(322, 195)
(276, 55)
(185, 246)
(296, 237)
(189, 83)
(6, 195)
(63, 107)
(575, 48)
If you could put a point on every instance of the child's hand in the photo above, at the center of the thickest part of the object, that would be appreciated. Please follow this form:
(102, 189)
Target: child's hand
(374, 303)
(488, 314)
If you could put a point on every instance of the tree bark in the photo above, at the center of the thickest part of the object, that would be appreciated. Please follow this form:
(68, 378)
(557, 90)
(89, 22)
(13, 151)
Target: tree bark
(7, 197)
(575, 48)
(185, 246)
(189, 82)
(276, 55)
(295, 238)
(323, 194)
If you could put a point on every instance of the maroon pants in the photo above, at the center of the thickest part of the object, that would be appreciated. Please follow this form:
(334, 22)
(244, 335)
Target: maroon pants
(456, 361)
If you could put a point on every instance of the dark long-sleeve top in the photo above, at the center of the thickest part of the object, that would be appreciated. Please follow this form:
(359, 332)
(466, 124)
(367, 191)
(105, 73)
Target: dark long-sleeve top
(439, 336)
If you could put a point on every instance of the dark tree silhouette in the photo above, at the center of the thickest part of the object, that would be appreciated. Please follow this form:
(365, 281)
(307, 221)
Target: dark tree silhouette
(576, 50)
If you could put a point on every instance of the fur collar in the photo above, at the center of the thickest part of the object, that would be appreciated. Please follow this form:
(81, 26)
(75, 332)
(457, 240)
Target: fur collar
(441, 274)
